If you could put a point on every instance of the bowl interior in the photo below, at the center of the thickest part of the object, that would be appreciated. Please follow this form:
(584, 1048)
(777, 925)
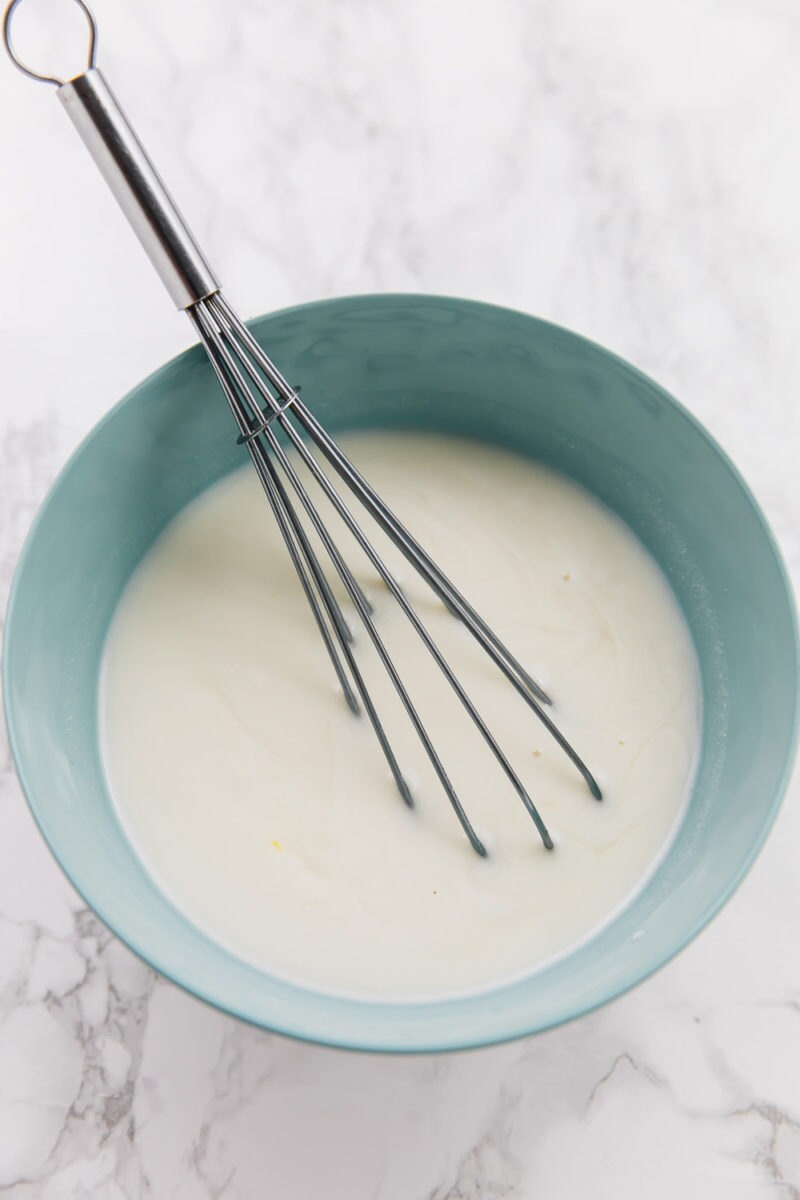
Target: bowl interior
(432, 364)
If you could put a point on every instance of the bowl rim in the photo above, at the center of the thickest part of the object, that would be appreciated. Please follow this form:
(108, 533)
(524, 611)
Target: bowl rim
(413, 1042)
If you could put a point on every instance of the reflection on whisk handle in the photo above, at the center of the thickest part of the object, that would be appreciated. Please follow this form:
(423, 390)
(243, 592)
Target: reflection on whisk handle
(128, 171)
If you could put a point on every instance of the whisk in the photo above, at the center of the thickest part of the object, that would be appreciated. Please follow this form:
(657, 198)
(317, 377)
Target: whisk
(262, 402)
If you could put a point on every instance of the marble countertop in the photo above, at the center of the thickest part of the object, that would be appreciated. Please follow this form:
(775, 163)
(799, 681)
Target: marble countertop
(629, 170)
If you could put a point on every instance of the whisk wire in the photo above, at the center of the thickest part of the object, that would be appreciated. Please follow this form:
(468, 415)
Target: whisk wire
(285, 512)
(230, 369)
(377, 508)
(294, 537)
(388, 579)
(409, 612)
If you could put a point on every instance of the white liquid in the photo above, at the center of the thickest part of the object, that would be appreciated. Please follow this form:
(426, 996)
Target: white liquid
(266, 811)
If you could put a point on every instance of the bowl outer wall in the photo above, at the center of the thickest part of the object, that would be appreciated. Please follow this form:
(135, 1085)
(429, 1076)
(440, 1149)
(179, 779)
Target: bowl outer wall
(439, 364)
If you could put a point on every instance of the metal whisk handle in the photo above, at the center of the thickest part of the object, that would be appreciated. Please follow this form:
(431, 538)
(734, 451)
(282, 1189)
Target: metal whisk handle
(127, 169)
(140, 192)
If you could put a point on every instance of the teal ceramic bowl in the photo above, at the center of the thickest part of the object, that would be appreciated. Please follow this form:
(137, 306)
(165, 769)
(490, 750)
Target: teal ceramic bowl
(421, 363)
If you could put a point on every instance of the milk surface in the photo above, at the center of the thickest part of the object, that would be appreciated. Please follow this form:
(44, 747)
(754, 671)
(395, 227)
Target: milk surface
(266, 811)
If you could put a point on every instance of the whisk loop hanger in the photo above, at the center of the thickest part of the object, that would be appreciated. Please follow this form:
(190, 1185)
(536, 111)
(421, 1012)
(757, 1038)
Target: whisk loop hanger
(261, 400)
